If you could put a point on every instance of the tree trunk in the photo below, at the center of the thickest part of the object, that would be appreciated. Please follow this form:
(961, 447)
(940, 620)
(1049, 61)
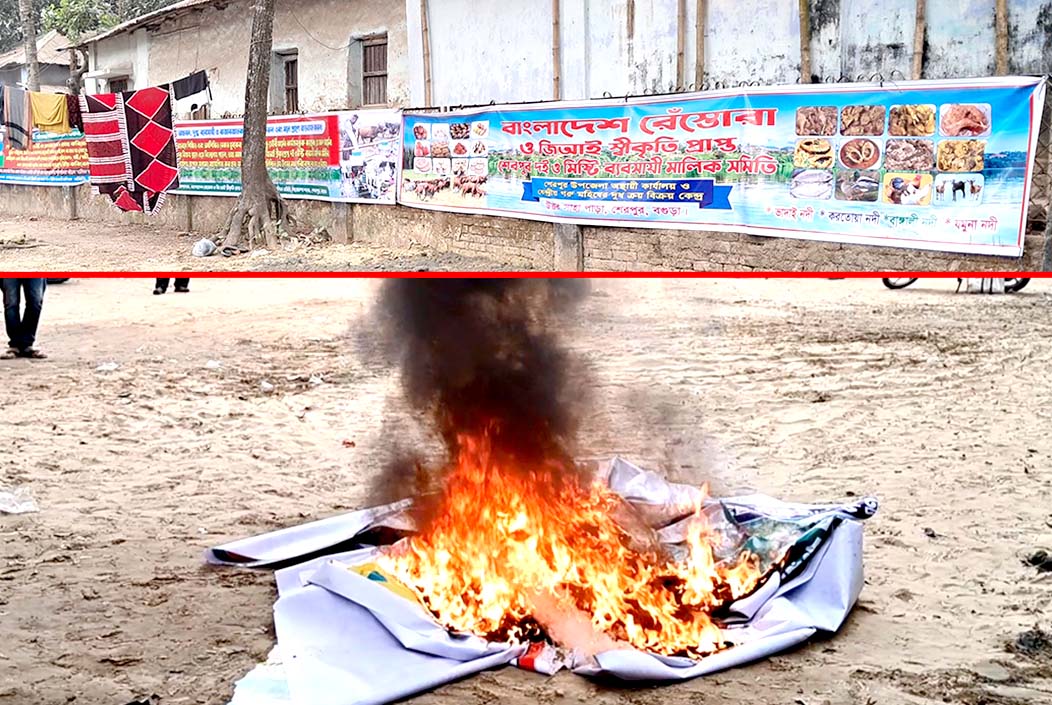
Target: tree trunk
(29, 39)
(253, 214)
(78, 66)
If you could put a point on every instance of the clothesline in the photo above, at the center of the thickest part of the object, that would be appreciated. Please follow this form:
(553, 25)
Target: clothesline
(130, 137)
(22, 111)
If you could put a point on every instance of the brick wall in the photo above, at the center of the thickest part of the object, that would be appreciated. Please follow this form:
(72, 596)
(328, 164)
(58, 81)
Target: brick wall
(206, 215)
(617, 249)
(520, 243)
(531, 244)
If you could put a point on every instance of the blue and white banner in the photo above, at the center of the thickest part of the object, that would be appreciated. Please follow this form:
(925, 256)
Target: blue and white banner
(938, 165)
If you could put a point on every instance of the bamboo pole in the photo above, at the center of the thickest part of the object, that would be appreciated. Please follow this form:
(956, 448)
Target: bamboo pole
(425, 33)
(1001, 36)
(805, 41)
(699, 43)
(556, 52)
(681, 42)
(920, 26)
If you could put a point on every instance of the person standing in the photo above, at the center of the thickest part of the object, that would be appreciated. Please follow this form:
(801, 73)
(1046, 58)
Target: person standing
(22, 327)
(182, 286)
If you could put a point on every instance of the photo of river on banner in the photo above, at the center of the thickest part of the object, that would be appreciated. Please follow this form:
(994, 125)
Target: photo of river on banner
(527, 490)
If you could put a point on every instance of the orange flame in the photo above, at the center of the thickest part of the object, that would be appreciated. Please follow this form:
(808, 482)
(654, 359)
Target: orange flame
(506, 545)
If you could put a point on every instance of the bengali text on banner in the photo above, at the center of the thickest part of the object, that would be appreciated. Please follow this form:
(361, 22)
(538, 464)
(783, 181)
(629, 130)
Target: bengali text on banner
(941, 165)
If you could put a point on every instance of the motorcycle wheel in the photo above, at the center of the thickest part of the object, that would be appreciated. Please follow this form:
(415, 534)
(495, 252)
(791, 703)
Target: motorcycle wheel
(1014, 285)
(900, 283)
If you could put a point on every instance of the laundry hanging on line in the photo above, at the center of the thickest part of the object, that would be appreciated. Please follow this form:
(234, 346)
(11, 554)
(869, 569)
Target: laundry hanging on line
(73, 109)
(50, 112)
(23, 112)
(132, 155)
(191, 93)
(18, 118)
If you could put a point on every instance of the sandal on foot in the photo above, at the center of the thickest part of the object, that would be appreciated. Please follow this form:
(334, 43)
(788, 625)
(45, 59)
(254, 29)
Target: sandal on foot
(32, 354)
(9, 354)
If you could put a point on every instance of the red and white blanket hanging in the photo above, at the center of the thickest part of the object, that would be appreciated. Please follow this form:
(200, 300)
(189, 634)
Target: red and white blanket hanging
(132, 155)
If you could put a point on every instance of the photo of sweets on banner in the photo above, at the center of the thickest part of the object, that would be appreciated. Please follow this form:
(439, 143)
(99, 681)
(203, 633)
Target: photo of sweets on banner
(52, 160)
(937, 165)
(345, 156)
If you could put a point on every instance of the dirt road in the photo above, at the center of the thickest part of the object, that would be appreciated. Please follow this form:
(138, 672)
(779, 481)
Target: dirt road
(938, 404)
(39, 245)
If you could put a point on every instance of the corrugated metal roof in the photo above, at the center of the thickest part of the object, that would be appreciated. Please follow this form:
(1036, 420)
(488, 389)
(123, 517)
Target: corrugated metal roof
(51, 48)
(149, 18)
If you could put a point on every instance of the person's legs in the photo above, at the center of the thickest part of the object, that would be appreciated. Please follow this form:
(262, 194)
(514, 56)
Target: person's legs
(161, 286)
(34, 292)
(182, 285)
(12, 317)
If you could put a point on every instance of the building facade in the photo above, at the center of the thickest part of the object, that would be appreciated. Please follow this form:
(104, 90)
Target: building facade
(332, 54)
(337, 54)
(327, 54)
(518, 50)
(53, 59)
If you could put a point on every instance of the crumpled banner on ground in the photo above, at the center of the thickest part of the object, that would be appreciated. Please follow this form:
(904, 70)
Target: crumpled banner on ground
(348, 636)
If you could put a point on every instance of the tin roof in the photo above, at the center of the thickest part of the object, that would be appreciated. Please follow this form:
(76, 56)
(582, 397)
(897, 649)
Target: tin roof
(51, 49)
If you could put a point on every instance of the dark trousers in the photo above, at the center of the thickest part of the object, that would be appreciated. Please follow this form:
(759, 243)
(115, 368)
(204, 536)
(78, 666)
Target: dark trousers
(22, 327)
(162, 284)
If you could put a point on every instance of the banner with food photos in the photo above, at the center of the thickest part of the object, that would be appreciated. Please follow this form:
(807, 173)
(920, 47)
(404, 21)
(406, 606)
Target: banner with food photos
(935, 165)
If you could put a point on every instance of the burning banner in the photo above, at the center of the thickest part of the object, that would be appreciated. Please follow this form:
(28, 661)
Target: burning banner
(509, 551)
(354, 630)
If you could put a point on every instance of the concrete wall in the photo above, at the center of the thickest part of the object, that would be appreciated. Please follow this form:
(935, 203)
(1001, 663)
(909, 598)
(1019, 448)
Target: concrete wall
(752, 40)
(117, 55)
(524, 243)
(621, 47)
(217, 41)
(521, 243)
(214, 40)
(482, 51)
(206, 215)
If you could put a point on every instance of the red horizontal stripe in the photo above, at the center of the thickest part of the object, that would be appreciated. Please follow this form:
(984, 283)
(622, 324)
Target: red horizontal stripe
(525, 275)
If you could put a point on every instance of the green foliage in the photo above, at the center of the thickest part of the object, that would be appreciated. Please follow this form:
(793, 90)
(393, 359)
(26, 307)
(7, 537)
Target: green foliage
(73, 18)
(78, 18)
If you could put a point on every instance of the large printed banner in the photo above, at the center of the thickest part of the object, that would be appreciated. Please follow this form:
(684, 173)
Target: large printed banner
(345, 156)
(939, 165)
(53, 160)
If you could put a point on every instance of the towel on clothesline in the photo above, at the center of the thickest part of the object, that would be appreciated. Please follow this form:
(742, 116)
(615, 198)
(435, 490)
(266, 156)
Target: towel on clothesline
(191, 93)
(73, 109)
(50, 112)
(18, 118)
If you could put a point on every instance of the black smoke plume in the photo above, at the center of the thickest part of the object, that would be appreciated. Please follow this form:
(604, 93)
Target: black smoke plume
(484, 356)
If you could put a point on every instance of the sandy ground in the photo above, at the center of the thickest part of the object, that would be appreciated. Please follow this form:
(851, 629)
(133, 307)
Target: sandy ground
(40, 244)
(937, 403)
